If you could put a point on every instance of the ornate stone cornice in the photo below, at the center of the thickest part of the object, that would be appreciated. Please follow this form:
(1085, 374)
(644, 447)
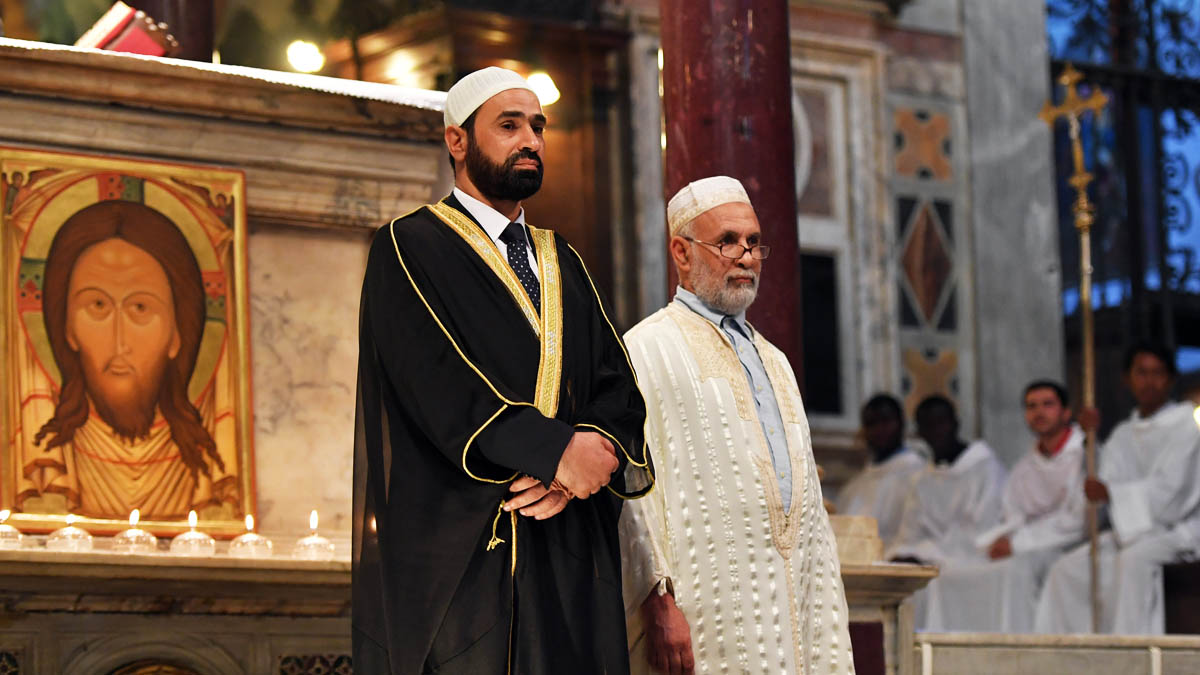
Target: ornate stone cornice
(44, 581)
(889, 7)
(251, 94)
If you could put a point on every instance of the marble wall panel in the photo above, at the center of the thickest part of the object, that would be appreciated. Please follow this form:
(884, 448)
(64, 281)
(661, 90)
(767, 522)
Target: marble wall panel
(1017, 275)
(304, 297)
(939, 16)
(930, 181)
(913, 75)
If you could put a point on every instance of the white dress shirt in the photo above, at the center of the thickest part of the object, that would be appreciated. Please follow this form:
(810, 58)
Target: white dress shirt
(494, 224)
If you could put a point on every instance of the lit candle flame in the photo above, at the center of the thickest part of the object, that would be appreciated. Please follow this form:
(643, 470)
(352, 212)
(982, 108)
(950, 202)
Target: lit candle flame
(249, 523)
(70, 519)
(192, 519)
(134, 517)
(4, 515)
(312, 521)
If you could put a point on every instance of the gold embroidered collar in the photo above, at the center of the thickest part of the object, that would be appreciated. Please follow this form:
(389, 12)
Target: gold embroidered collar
(546, 325)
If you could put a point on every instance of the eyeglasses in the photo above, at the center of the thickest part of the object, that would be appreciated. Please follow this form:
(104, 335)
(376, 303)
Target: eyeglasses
(736, 251)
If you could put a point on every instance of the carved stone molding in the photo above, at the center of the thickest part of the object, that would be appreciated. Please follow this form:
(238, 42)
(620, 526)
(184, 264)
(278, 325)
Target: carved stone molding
(42, 581)
(312, 157)
(197, 654)
(293, 177)
(250, 94)
(315, 664)
(889, 7)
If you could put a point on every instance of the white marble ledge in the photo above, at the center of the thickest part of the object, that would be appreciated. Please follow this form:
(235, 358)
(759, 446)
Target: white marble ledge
(885, 582)
(107, 564)
(1074, 641)
(250, 94)
(33, 581)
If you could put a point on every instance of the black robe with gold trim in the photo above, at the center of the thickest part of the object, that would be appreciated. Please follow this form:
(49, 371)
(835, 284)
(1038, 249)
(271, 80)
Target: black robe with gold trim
(462, 386)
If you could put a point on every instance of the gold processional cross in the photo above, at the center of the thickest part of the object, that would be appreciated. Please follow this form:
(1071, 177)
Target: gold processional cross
(1071, 109)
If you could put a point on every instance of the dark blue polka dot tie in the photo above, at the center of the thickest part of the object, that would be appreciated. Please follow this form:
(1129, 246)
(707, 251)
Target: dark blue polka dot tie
(514, 240)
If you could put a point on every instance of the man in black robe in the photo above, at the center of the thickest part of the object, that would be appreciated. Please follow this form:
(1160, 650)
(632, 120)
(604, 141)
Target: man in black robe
(499, 425)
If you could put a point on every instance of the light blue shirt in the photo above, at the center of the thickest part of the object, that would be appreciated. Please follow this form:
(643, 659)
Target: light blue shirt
(742, 336)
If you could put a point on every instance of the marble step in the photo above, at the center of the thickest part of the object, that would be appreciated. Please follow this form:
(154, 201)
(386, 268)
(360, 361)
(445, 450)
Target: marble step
(997, 654)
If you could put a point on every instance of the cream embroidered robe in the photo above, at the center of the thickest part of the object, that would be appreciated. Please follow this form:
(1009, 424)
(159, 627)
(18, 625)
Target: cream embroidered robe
(761, 588)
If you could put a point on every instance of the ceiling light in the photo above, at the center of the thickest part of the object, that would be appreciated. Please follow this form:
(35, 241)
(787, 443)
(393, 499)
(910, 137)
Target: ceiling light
(305, 56)
(543, 86)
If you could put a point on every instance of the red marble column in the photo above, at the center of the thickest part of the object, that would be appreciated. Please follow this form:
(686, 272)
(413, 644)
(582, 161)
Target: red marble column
(728, 106)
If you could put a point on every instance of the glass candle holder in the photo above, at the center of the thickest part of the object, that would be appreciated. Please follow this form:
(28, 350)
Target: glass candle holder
(314, 546)
(134, 541)
(10, 537)
(192, 543)
(69, 538)
(251, 544)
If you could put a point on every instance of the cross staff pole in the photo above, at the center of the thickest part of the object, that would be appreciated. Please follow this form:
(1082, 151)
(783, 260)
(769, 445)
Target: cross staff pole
(1071, 109)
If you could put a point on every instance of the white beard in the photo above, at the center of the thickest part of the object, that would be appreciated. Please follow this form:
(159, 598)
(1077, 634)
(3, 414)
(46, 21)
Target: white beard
(718, 291)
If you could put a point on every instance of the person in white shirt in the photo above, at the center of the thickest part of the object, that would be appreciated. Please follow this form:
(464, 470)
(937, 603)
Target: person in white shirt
(1042, 513)
(1149, 488)
(954, 499)
(880, 489)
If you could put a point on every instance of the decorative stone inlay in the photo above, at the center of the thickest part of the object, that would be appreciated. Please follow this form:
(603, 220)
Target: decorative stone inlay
(315, 664)
(928, 375)
(927, 261)
(10, 664)
(923, 145)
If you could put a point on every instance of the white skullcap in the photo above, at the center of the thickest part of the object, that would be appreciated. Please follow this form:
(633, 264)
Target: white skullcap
(472, 91)
(700, 196)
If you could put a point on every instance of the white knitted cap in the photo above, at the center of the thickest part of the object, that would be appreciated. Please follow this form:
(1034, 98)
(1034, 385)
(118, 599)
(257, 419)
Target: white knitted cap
(472, 91)
(700, 196)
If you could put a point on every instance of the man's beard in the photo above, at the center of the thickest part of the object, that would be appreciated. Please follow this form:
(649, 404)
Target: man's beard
(130, 413)
(720, 293)
(501, 182)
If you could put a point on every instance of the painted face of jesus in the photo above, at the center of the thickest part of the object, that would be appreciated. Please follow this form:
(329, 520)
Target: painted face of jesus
(121, 321)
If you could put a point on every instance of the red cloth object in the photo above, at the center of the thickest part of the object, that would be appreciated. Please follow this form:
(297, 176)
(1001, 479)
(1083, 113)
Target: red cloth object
(136, 41)
(124, 29)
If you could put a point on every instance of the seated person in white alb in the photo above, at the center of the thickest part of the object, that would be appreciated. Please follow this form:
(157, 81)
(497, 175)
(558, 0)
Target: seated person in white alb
(1042, 514)
(1149, 487)
(880, 489)
(954, 499)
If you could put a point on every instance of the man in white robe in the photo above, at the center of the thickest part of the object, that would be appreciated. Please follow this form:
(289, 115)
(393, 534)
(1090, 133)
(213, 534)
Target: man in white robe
(730, 563)
(1149, 486)
(954, 499)
(880, 489)
(1042, 513)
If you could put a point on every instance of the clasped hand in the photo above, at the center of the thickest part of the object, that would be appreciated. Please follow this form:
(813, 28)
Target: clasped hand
(586, 466)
